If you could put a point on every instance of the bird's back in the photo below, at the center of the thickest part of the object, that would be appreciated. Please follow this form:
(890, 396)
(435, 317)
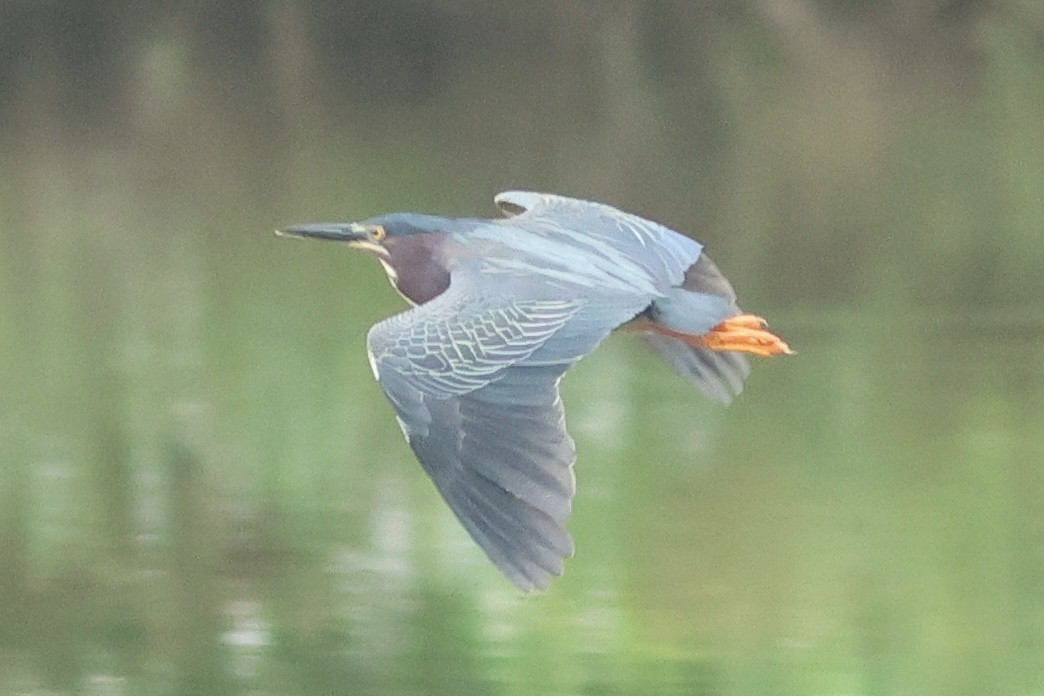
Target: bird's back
(571, 242)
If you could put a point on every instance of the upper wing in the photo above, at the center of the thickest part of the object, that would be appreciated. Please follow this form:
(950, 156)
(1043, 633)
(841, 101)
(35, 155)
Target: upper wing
(473, 377)
(462, 340)
(660, 255)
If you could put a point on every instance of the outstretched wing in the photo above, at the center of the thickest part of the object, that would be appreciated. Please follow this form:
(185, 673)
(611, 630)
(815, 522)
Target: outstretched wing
(473, 377)
(505, 468)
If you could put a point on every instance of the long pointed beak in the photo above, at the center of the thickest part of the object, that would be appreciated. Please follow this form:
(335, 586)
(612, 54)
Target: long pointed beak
(334, 231)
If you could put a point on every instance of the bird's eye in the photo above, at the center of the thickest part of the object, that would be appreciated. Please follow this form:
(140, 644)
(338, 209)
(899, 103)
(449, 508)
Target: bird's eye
(378, 233)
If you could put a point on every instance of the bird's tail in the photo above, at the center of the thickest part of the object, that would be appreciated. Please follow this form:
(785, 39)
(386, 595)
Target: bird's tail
(718, 374)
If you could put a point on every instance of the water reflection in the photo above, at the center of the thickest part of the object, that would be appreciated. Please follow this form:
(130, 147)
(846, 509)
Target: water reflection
(205, 492)
(864, 519)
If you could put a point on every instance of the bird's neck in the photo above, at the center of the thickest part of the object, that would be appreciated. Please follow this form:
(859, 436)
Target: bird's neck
(417, 271)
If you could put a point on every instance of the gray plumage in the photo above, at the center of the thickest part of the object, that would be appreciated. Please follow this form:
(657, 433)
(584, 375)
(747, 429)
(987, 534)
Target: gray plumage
(503, 308)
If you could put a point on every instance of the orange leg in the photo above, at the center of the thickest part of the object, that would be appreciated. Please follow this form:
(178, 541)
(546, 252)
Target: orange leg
(744, 333)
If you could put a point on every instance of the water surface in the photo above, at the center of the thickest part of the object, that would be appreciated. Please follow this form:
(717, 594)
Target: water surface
(205, 491)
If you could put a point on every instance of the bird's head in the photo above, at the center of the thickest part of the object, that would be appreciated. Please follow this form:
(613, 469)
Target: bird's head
(407, 244)
(381, 236)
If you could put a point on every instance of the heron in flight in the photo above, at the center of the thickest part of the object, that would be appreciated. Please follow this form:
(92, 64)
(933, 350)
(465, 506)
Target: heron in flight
(501, 308)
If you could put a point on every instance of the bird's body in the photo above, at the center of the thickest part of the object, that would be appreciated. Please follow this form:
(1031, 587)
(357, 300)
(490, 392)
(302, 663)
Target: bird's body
(502, 309)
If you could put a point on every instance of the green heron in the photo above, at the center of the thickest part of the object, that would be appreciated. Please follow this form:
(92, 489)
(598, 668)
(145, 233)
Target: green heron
(502, 308)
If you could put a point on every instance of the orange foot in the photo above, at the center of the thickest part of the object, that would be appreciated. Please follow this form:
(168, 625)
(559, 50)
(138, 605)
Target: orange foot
(744, 333)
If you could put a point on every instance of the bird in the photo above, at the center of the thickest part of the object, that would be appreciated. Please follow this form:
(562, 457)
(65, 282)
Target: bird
(500, 309)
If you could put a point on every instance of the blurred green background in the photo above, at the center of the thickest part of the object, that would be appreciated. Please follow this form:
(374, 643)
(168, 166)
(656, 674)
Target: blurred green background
(203, 491)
